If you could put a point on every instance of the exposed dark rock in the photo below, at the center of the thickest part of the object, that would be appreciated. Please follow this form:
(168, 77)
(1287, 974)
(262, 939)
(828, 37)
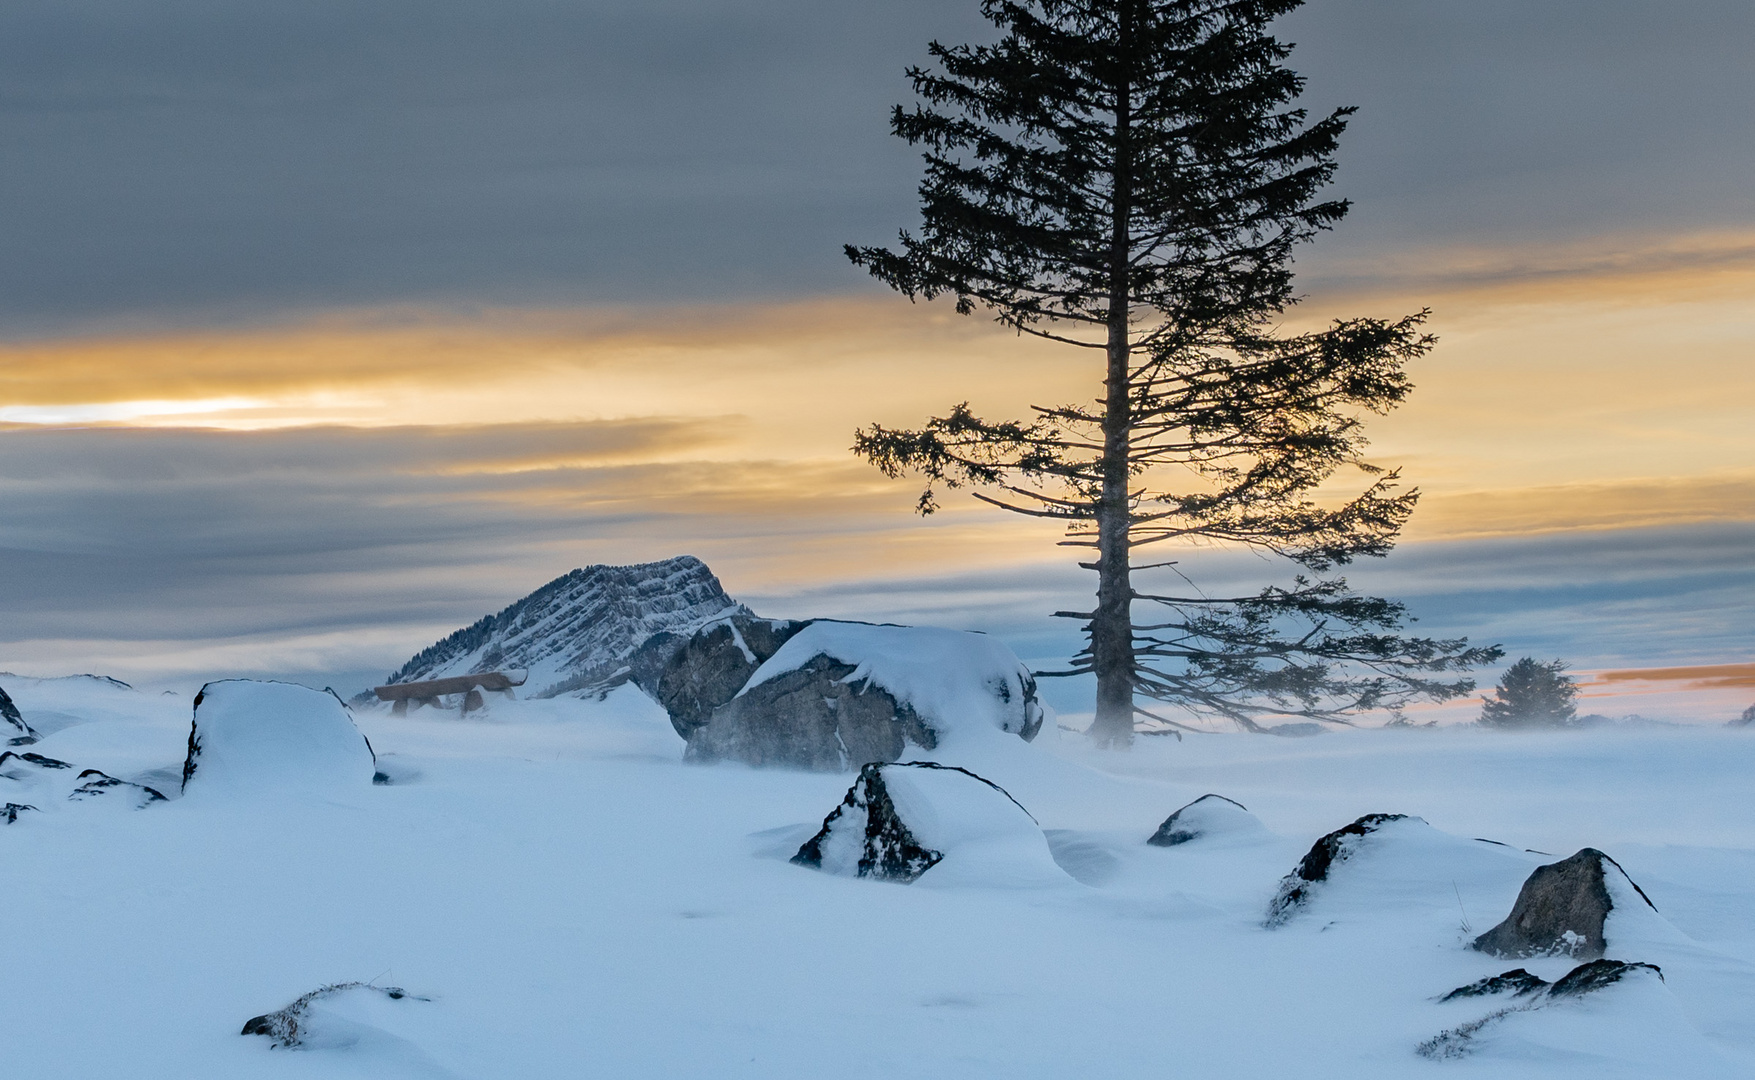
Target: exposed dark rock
(11, 811)
(287, 1027)
(868, 826)
(1591, 977)
(1516, 982)
(1196, 820)
(811, 718)
(1323, 856)
(38, 760)
(1584, 979)
(13, 729)
(1560, 911)
(1746, 720)
(95, 784)
(691, 676)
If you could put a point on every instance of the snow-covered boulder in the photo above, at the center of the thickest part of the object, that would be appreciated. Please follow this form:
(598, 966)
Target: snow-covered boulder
(901, 820)
(1319, 862)
(1563, 909)
(327, 1017)
(13, 730)
(250, 735)
(1209, 815)
(838, 695)
(691, 675)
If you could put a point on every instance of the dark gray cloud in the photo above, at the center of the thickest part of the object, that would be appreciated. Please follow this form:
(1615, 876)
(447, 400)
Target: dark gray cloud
(204, 159)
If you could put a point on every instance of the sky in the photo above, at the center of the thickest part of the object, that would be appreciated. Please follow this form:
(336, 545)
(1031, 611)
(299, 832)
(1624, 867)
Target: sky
(327, 327)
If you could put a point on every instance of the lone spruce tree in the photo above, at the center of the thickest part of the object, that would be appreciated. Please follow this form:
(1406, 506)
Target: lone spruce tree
(1130, 177)
(1532, 694)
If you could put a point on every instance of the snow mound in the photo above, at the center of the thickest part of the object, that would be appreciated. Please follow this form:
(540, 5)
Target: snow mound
(1602, 1010)
(1394, 861)
(250, 735)
(359, 1028)
(50, 705)
(33, 781)
(1208, 816)
(954, 680)
(900, 820)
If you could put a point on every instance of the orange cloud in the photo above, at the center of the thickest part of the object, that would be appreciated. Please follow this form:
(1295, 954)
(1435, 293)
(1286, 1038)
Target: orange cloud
(1708, 677)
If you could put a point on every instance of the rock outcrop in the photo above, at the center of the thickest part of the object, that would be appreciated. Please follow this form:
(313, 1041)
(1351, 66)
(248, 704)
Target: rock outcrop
(838, 695)
(1528, 994)
(13, 730)
(902, 819)
(1335, 848)
(578, 633)
(1560, 911)
(691, 675)
(253, 736)
(819, 716)
(97, 784)
(293, 1025)
(1209, 815)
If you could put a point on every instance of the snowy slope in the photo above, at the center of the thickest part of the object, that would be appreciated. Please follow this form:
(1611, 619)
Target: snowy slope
(579, 629)
(569, 899)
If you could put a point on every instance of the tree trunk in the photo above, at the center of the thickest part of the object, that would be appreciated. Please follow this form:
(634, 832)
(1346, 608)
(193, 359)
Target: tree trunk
(1112, 626)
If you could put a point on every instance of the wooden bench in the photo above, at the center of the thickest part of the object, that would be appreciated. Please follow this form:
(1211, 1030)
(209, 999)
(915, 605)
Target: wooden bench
(429, 692)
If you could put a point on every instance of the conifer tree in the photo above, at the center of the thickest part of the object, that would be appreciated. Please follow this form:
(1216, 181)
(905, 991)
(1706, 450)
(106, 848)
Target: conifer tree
(1532, 694)
(1129, 178)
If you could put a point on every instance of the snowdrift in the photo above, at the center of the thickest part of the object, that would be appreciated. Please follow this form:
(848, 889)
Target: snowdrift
(899, 821)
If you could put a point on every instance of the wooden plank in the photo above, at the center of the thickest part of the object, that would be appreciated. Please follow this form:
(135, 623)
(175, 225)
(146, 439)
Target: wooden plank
(455, 684)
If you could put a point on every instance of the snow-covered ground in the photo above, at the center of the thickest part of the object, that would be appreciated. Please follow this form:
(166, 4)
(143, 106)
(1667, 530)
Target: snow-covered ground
(572, 900)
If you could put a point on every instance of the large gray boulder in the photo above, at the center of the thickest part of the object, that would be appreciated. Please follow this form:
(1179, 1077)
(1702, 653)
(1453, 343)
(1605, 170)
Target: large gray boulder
(836, 696)
(1561, 910)
(813, 717)
(694, 674)
(13, 730)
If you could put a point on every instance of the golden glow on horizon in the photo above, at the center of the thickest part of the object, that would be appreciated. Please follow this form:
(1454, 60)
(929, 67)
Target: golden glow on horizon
(1617, 392)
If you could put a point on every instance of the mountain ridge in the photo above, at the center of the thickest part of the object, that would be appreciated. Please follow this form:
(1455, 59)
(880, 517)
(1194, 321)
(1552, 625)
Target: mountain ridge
(577, 632)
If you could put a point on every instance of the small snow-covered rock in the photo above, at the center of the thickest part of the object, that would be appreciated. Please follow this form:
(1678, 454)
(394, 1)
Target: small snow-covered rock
(1324, 855)
(250, 735)
(838, 695)
(1209, 815)
(1529, 993)
(1561, 910)
(11, 811)
(13, 729)
(302, 1023)
(900, 820)
(96, 784)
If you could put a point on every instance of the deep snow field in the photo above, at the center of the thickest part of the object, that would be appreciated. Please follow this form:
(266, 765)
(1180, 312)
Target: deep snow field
(574, 901)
